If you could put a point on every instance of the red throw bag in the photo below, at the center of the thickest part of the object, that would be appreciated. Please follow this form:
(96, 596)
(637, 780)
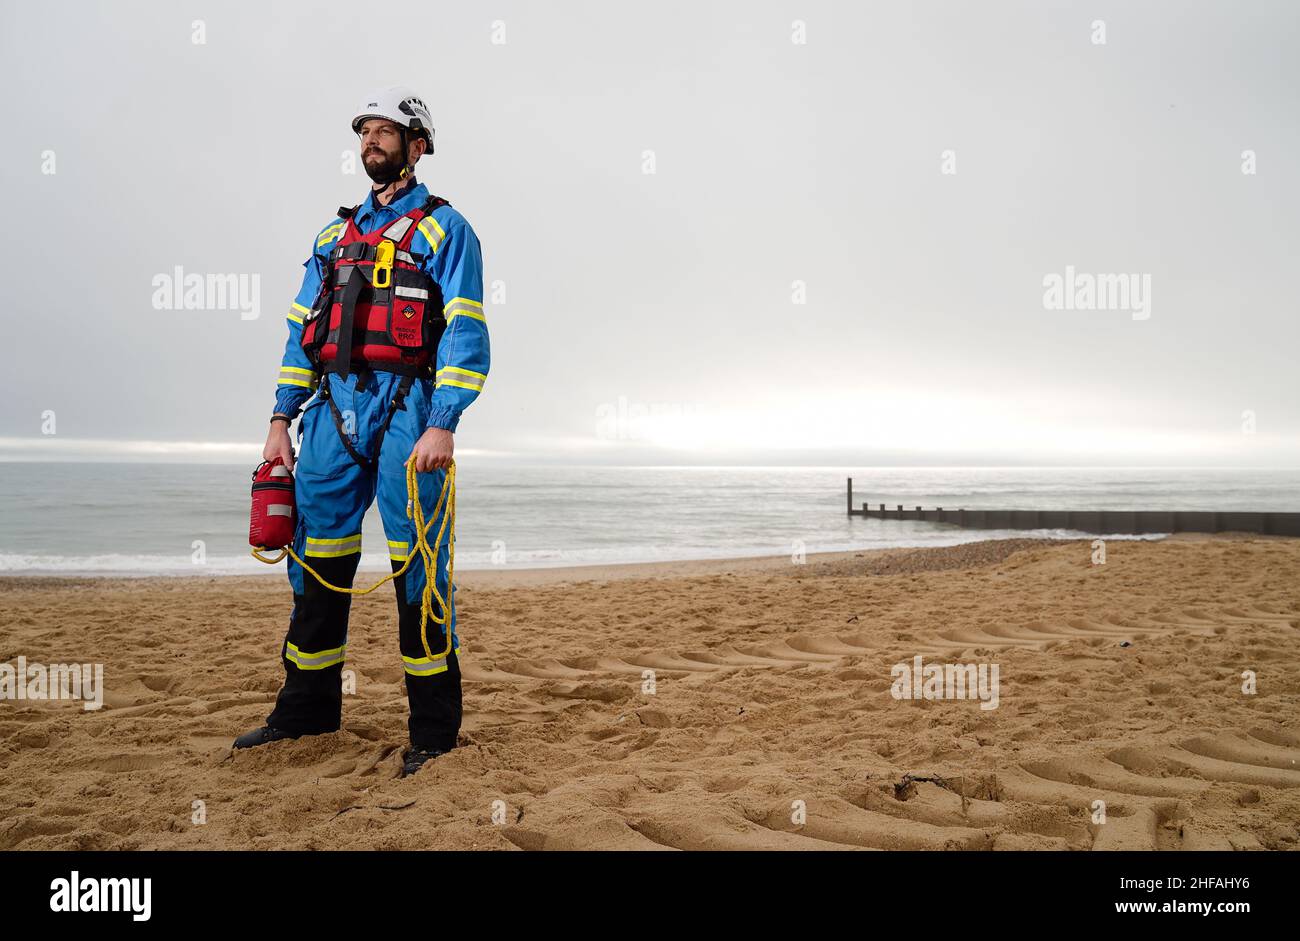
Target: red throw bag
(272, 522)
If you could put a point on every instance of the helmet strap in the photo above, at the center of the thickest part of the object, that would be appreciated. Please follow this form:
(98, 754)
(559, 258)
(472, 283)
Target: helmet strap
(406, 163)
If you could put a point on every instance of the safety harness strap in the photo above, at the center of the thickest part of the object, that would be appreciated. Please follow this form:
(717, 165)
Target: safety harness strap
(353, 283)
(398, 404)
(353, 251)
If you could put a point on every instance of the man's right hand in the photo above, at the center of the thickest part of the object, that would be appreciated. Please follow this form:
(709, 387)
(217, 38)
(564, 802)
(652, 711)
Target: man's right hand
(278, 444)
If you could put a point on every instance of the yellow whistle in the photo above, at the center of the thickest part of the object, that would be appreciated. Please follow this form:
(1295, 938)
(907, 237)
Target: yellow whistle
(382, 275)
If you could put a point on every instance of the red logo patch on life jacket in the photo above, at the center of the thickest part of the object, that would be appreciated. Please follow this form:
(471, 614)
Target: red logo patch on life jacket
(408, 311)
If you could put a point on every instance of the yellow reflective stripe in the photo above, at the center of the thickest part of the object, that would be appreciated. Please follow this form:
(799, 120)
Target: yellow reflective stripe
(332, 547)
(295, 306)
(432, 232)
(315, 660)
(463, 307)
(296, 376)
(403, 550)
(459, 373)
(329, 233)
(423, 666)
(460, 378)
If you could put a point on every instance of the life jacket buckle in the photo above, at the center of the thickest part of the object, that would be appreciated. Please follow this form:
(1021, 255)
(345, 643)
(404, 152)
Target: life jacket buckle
(381, 275)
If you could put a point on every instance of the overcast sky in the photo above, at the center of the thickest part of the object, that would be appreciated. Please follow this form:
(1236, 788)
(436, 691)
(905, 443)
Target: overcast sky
(799, 154)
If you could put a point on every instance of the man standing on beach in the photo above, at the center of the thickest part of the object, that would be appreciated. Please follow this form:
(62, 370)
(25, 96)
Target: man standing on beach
(388, 329)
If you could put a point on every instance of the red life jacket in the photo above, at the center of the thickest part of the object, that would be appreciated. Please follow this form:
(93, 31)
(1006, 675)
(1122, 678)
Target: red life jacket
(377, 308)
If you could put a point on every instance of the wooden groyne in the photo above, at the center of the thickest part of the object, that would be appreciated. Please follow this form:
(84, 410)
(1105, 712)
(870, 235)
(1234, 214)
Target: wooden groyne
(1118, 522)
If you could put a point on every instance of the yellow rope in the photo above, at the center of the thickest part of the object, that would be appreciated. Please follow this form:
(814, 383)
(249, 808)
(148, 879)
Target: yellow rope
(415, 511)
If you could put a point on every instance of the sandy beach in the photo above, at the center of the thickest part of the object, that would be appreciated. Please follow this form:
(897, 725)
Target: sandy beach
(767, 720)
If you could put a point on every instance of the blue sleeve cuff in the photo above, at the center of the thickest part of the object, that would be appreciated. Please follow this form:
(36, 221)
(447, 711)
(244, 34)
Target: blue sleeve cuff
(289, 400)
(445, 418)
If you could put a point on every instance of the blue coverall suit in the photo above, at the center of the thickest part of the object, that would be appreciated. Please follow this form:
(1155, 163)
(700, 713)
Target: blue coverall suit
(333, 491)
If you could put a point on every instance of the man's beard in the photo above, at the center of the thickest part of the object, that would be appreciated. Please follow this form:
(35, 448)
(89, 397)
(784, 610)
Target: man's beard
(384, 171)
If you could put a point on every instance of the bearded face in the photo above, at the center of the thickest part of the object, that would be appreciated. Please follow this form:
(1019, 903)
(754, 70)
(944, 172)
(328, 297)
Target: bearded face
(382, 151)
(382, 165)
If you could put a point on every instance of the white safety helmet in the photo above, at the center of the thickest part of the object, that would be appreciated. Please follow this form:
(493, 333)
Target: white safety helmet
(401, 106)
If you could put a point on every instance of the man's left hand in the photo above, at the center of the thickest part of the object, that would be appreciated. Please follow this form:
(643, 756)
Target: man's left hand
(433, 450)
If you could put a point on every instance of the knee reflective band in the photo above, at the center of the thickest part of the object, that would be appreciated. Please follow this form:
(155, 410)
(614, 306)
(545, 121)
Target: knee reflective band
(426, 666)
(431, 663)
(333, 548)
(317, 660)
